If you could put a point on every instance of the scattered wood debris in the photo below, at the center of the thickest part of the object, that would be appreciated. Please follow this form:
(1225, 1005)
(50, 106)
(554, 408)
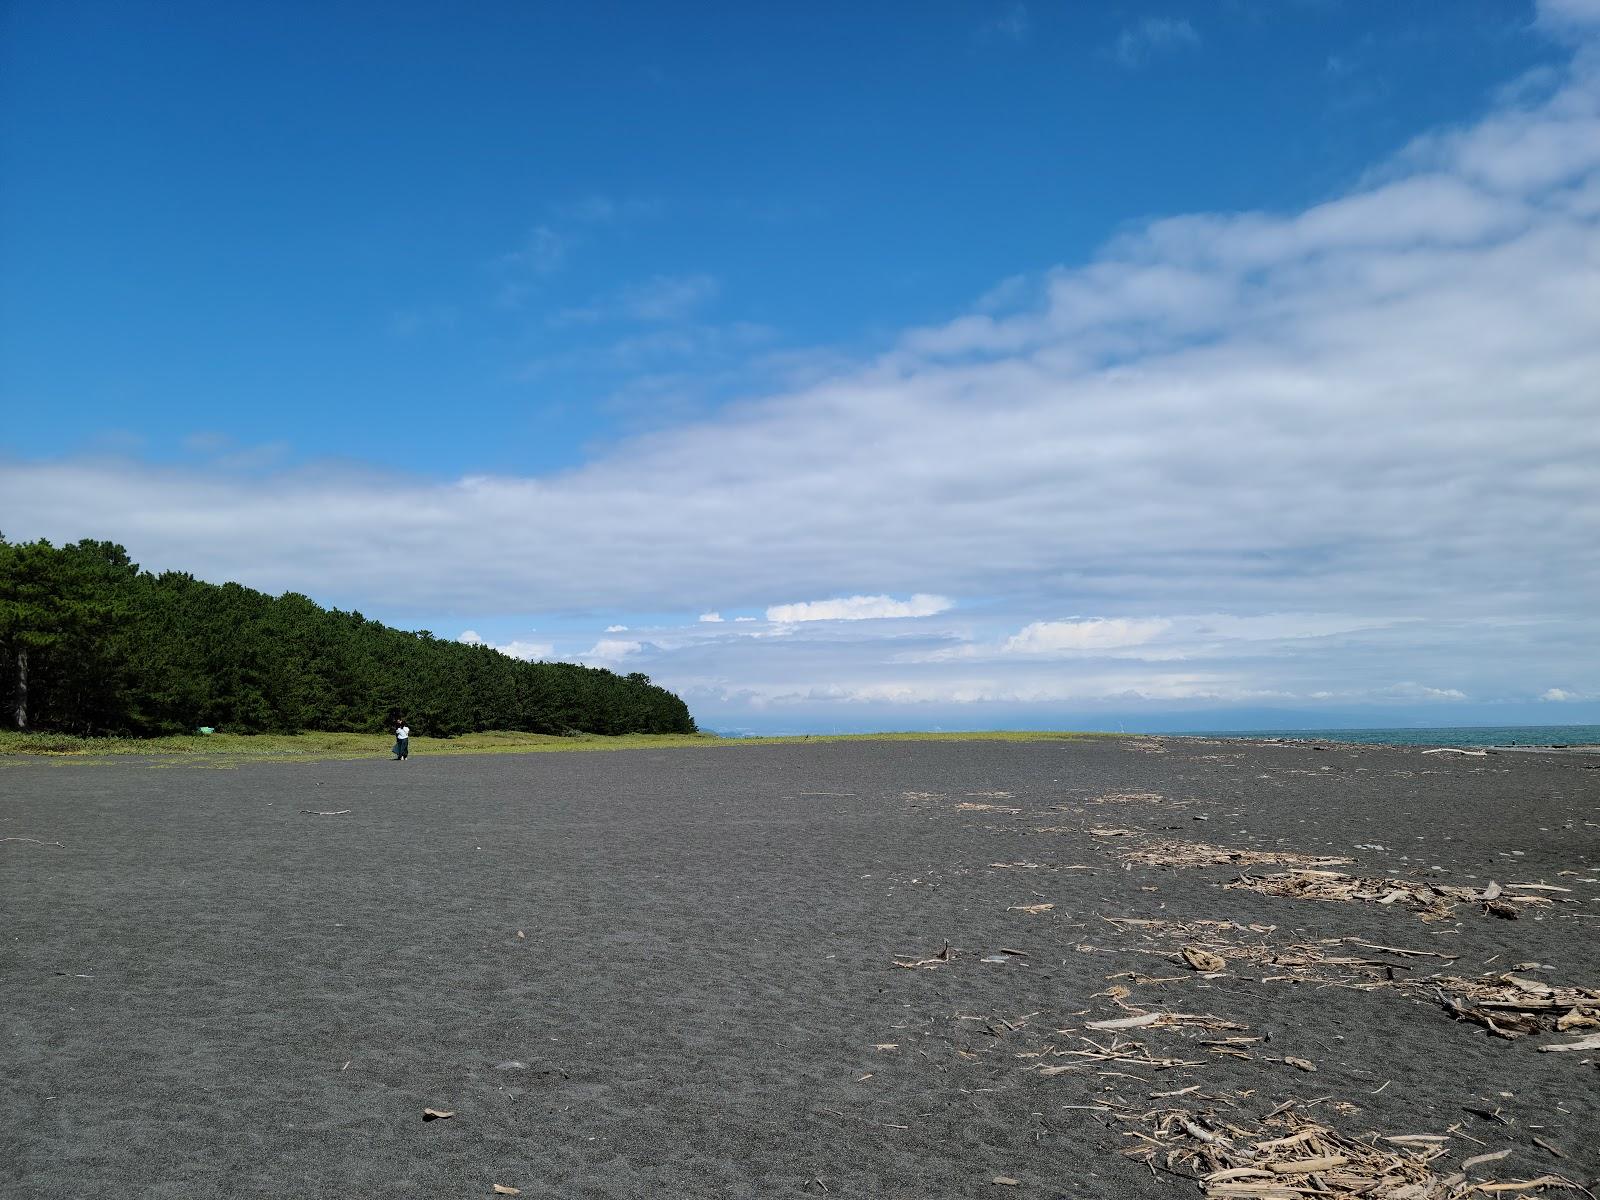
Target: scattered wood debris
(501, 1189)
(1290, 1156)
(972, 806)
(1128, 798)
(1117, 1050)
(1004, 954)
(1202, 959)
(1033, 866)
(1032, 909)
(1235, 945)
(1432, 901)
(945, 955)
(329, 812)
(1509, 1005)
(1142, 1020)
(1167, 853)
(437, 1114)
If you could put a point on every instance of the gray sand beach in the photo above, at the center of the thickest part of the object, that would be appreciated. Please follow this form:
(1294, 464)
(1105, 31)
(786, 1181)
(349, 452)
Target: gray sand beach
(834, 969)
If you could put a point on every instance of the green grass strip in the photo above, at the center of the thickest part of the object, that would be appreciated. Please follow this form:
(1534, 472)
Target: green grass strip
(314, 746)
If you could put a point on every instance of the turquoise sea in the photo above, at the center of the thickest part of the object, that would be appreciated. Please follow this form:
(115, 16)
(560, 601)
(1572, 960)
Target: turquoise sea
(1444, 735)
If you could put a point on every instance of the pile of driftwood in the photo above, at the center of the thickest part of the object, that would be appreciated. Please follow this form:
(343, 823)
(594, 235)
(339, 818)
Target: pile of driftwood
(1511, 1005)
(1210, 947)
(1291, 1156)
(1432, 901)
(1109, 1041)
(1201, 854)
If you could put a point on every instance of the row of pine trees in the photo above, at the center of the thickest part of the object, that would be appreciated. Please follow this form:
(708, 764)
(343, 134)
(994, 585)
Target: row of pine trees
(90, 644)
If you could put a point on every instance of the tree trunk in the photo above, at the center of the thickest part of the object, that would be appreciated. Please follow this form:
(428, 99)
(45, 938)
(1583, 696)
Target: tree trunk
(22, 687)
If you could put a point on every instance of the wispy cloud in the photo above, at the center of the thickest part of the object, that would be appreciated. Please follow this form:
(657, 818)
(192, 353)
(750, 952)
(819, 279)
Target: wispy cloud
(529, 651)
(1153, 37)
(1012, 23)
(664, 299)
(1562, 696)
(608, 651)
(1577, 17)
(600, 209)
(1099, 633)
(859, 608)
(543, 252)
(667, 297)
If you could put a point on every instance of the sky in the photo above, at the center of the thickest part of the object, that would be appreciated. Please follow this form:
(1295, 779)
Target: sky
(908, 365)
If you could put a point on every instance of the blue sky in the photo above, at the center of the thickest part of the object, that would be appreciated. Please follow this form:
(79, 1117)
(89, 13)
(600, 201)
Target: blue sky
(1096, 362)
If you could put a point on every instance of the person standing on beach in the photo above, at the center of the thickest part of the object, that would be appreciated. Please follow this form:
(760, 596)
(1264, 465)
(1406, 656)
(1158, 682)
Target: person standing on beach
(402, 742)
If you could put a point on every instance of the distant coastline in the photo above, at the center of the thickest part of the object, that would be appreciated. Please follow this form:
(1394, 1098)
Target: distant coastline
(1566, 736)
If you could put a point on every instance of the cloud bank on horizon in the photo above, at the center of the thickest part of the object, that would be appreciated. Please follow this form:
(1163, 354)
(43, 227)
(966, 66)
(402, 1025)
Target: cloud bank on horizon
(1344, 456)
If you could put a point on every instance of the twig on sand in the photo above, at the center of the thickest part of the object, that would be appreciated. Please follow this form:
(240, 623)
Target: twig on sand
(834, 1112)
(1351, 941)
(944, 956)
(35, 841)
(328, 812)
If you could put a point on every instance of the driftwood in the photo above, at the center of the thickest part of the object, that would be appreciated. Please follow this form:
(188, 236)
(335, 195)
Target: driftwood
(1433, 901)
(1233, 1162)
(1169, 853)
(945, 955)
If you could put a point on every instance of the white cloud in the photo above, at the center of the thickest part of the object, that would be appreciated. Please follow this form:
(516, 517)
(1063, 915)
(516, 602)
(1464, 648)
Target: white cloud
(1559, 695)
(744, 618)
(1417, 691)
(710, 618)
(1098, 633)
(1569, 15)
(528, 651)
(1140, 42)
(616, 629)
(859, 608)
(610, 650)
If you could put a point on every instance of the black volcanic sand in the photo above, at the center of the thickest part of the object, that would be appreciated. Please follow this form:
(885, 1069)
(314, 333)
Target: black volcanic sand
(208, 993)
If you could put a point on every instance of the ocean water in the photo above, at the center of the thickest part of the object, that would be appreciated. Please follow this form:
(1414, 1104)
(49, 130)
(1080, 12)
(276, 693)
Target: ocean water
(1444, 735)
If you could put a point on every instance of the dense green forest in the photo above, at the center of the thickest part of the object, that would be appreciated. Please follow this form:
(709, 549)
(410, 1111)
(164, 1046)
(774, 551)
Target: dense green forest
(91, 644)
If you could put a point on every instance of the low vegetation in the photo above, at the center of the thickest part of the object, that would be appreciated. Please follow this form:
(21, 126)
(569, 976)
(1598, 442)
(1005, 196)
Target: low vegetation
(312, 746)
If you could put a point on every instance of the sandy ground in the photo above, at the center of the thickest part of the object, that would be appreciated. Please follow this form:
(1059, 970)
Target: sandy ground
(672, 973)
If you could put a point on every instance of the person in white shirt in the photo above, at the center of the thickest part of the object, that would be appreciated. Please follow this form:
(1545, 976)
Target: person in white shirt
(402, 741)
